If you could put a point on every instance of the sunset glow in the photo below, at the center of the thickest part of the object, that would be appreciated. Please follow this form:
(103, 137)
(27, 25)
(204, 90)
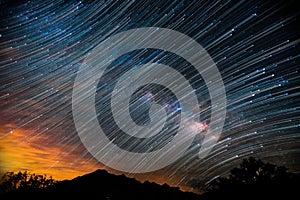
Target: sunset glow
(21, 151)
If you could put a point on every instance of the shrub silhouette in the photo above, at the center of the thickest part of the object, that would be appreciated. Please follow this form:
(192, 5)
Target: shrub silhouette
(24, 181)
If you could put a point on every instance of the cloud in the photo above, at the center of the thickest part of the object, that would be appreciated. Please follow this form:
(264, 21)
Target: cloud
(20, 150)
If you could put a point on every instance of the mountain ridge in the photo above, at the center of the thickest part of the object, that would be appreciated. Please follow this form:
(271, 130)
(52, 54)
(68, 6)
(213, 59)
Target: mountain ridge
(104, 185)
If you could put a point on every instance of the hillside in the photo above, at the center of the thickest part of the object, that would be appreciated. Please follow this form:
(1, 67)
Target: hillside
(104, 185)
(252, 179)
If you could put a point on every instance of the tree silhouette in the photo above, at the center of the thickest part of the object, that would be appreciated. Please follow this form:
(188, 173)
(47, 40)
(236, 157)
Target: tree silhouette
(253, 172)
(24, 181)
(253, 178)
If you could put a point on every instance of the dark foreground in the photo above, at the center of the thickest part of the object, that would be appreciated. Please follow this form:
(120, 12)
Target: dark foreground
(102, 185)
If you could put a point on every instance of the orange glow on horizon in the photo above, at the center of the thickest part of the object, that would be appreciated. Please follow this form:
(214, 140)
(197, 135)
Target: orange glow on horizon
(19, 152)
(22, 150)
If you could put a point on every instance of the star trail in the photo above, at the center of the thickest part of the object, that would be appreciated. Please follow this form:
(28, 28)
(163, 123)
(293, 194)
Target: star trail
(253, 44)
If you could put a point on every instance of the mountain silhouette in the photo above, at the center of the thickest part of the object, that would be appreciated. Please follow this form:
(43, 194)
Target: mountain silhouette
(103, 185)
(252, 179)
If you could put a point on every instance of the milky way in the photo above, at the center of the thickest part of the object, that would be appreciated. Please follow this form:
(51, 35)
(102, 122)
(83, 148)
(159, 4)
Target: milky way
(254, 44)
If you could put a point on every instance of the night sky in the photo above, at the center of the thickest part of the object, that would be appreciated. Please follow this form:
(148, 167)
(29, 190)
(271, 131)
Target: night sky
(255, 46)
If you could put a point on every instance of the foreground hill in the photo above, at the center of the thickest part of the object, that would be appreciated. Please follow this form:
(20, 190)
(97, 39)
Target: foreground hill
(109, 186)
(102, 185)
(253, 179)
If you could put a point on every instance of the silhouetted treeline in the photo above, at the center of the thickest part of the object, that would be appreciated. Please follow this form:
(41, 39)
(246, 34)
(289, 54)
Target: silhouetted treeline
(253, 179)
(24, 181)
